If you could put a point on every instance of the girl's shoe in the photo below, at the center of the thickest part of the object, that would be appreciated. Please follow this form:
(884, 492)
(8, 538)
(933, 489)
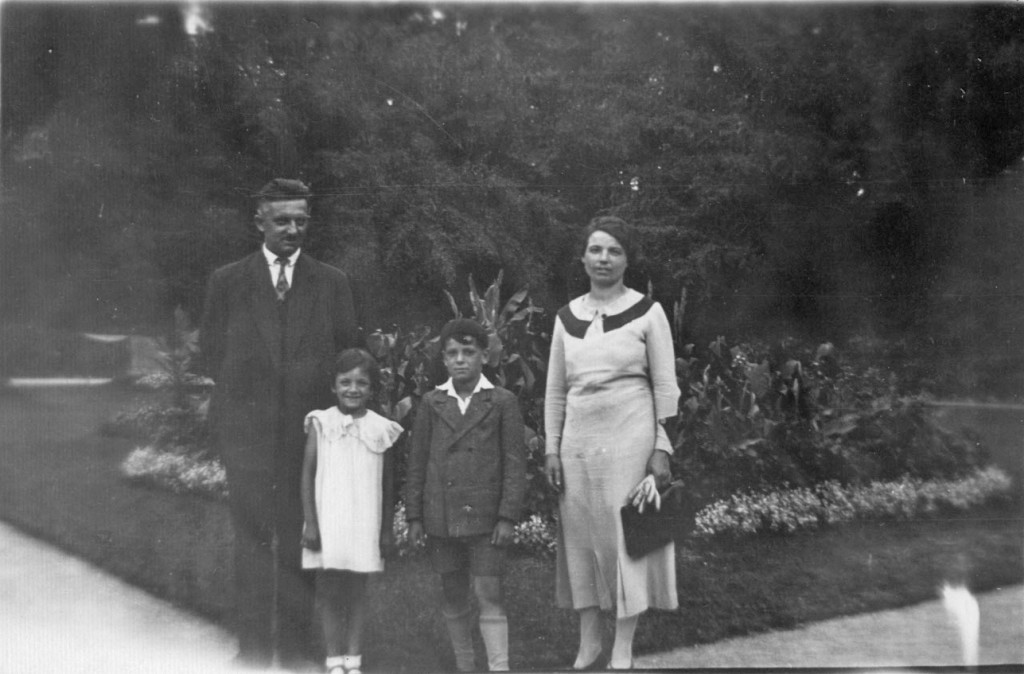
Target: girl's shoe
(353, 664)
(335, 664)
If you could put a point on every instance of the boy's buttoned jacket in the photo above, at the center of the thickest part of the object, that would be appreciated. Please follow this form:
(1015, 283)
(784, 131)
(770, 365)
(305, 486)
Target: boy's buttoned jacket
(466, 471)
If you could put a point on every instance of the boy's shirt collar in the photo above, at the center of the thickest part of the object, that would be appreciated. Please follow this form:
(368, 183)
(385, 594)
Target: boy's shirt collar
(449, 387)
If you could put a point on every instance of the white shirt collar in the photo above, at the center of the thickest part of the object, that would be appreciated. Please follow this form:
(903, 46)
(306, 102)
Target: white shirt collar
(272, 259)
(482, 385)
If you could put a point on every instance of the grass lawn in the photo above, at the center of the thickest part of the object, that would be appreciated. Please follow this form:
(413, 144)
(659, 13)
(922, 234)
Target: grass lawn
(60, 482)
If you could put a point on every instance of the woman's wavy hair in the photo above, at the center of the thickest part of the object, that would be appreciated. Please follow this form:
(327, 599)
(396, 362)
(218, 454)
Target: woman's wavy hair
(618, 228)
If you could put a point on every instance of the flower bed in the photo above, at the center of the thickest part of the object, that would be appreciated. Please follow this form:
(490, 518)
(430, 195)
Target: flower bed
(775, 511)
(177, 471)
(827, 503)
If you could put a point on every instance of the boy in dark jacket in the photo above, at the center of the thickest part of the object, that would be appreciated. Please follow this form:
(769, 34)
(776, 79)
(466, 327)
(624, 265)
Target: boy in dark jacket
(465, 485)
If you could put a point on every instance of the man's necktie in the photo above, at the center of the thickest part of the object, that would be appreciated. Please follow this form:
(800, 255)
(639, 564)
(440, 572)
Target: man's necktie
(282, 280)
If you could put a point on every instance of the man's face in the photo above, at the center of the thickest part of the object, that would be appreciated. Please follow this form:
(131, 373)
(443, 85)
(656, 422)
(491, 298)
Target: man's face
(284, 225)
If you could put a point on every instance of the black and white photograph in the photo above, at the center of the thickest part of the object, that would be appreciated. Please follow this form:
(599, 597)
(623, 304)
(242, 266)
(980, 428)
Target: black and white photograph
(407, 337)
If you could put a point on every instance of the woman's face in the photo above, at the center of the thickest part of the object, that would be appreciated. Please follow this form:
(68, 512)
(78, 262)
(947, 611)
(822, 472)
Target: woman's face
(604, 259)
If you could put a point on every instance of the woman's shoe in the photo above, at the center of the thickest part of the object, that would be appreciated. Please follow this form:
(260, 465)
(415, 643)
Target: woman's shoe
(629, 666)
(596, 665)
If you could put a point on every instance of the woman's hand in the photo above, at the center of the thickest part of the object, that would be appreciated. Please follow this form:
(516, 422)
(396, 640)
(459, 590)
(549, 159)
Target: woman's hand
(658, 466)
(643, 493)
(553, 471)
(311, 536)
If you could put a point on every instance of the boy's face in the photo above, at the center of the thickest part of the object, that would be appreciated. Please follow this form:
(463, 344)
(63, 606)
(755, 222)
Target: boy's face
(464, 362)
(353, 389)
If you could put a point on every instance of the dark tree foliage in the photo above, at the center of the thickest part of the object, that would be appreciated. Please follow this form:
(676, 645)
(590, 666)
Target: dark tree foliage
(793, 168)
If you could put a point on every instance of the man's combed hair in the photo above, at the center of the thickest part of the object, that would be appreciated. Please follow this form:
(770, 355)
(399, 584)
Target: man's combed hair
(283, 189)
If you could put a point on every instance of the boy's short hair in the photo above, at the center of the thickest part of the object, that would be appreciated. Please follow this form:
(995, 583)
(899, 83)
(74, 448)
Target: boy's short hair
(350, 359)
(464, 331)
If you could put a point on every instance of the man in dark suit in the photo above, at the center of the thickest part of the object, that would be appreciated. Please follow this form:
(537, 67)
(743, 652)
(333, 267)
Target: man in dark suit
(272, 323)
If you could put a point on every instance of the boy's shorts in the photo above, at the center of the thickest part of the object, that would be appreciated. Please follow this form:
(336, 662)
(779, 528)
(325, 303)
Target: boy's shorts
(475, 553)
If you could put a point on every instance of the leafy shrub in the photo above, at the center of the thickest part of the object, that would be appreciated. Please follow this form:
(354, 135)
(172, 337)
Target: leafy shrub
(794, 422)
(411, 366)
(164, 426)
(758, 417)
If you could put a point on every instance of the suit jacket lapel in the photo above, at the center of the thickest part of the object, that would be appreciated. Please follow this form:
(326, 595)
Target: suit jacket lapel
(447, 409)
(302, 298)
(265, 308)
(460, 424)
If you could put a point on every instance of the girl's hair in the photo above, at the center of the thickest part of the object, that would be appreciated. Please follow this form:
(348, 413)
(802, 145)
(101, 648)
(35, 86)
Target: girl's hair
(350, 359)
(614, 226)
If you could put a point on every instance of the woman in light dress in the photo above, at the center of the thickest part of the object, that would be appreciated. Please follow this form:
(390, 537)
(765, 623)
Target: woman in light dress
(611, 383)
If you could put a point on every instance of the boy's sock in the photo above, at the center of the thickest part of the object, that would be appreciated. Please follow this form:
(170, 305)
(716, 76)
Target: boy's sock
(460, 631)
(494, 630)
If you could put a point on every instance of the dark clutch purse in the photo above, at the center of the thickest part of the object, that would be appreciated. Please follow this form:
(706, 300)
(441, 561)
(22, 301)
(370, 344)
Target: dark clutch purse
(652, 529)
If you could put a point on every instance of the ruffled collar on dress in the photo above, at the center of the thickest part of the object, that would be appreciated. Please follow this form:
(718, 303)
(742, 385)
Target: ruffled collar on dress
(372, 431)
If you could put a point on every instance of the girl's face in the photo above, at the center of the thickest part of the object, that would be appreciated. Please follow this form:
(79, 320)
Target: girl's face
(604, 259)
(353, 389)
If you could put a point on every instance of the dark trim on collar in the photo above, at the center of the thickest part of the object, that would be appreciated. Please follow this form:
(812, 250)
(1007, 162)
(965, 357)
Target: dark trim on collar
(577, 327)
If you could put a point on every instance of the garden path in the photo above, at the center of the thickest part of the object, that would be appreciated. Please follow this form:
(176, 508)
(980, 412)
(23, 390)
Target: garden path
(60, 614)
(915, 636)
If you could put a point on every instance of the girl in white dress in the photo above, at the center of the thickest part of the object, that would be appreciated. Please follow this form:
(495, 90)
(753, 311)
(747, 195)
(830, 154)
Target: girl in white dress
(347, 504)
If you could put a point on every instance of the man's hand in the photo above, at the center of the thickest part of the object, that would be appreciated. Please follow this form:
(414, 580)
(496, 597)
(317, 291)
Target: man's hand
(387, 543)
(553, 471)
(416, 532)
(502, 535)
(311, 536)
(658, 466)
